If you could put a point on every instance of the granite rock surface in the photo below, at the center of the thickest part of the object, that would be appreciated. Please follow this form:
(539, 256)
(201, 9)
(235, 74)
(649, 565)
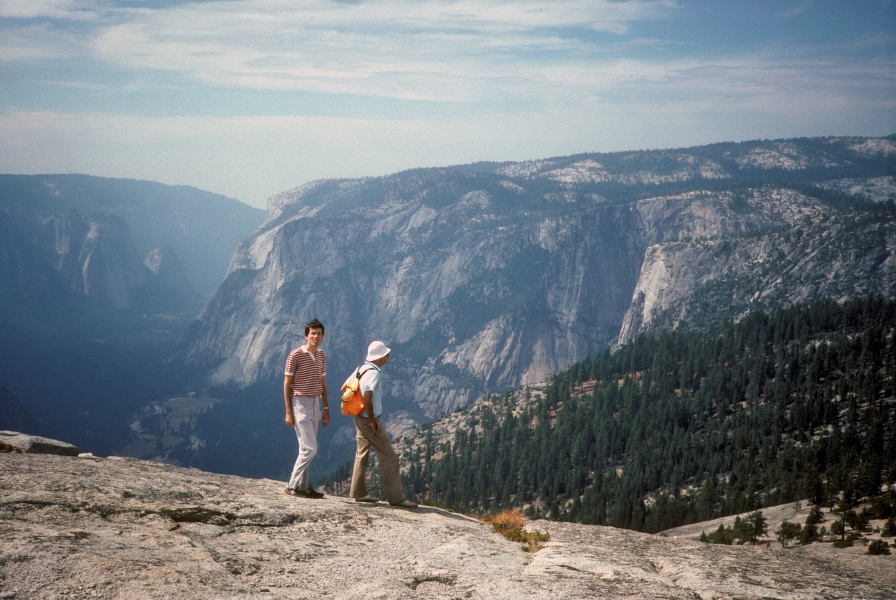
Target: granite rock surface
(13, 441)
(87, 527)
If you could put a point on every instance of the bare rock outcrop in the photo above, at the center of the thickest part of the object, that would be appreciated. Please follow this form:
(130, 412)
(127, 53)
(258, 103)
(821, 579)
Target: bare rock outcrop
(85, 527)
(817, 255)
(13, 441)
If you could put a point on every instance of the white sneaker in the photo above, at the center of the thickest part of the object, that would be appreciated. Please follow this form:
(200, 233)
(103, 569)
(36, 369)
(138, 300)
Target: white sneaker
(404, 504)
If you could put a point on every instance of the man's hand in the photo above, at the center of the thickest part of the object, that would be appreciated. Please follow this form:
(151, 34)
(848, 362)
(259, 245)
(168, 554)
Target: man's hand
(326, 418)
(287, 400)
(372, 424)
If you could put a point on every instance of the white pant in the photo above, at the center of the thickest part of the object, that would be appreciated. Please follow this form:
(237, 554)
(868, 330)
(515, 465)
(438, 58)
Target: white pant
(306, 415)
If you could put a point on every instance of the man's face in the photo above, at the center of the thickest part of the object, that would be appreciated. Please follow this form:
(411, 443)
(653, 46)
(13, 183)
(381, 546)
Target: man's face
(314, 337)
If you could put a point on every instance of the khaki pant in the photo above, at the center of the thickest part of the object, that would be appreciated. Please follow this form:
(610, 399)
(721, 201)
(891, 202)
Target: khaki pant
(386, 456)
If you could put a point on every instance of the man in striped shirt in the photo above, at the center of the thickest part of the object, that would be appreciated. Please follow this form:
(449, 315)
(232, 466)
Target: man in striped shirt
(304, 384)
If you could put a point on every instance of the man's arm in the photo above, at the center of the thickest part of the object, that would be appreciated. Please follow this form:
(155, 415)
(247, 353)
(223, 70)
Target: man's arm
(323, 396)
(368, 408)
(287, 398)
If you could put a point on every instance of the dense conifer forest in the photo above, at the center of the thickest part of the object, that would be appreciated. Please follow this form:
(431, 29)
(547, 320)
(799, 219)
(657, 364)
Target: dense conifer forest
(685, 427)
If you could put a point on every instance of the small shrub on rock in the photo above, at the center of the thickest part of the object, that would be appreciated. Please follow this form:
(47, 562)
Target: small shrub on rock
(810, 534)
(8, 448)
(506, 521)
(838, 528)
(509, 523)
(788, 532)
(878, 547)
(722, 535)
(815, 516)
(889, 528)
(883, 506)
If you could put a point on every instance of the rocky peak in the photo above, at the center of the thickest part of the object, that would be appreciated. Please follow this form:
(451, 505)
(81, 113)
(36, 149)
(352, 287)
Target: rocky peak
(170, 272)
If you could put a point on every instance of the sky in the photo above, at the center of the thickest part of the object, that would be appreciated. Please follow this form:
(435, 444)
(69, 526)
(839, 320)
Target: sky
(249, 98)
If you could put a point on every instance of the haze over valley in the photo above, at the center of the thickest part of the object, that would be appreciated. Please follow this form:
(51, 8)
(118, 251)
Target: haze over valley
(482, 278)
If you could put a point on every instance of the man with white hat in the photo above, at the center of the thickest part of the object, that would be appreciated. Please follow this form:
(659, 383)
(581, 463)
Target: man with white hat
(370, 432)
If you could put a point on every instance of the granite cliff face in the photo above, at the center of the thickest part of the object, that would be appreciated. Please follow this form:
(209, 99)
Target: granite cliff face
(70, 258)
(794, 249)
(97, 232)
(488, 276)
(89, 527)
(469, 295)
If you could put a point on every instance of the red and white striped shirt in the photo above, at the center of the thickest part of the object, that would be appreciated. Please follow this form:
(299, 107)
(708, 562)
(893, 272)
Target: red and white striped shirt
(307, 372)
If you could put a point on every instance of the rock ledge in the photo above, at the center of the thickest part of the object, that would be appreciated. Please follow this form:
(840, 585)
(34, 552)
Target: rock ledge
(12, 441)
(128, 529)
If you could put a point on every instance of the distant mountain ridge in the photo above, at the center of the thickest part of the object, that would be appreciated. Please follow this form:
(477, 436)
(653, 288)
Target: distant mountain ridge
(98, 276)
(77, 262)
(483, 277)
(199, 228)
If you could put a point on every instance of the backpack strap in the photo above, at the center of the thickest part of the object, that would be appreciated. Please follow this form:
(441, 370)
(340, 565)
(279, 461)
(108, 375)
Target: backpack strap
(358, 373)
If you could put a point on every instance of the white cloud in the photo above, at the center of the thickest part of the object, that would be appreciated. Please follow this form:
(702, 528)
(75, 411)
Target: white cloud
(467, 51)
(527, 79)
(254, 157)
(398, 48)
(797, 9)
(28, 44)
(55, 9)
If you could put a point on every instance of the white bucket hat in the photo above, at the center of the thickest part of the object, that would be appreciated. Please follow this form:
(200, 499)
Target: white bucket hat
(377, 350)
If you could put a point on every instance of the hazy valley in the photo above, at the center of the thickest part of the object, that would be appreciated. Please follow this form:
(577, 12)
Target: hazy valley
(481, 277)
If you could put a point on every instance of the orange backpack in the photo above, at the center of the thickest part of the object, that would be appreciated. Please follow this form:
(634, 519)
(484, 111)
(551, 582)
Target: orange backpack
(352, 398)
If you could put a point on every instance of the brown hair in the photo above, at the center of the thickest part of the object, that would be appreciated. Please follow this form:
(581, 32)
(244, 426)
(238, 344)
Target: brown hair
(314, 324)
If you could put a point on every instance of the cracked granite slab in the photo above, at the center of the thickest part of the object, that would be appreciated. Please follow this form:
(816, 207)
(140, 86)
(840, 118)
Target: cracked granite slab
(86, 527)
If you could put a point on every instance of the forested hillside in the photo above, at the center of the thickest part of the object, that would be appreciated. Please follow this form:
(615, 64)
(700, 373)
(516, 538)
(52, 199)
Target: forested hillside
(683, 428)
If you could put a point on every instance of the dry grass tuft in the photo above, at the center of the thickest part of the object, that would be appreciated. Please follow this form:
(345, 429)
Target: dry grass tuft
(506, 521)
(509, 523)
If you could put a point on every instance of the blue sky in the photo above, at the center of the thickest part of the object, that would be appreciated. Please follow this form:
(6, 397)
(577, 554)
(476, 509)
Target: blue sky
(248, 98)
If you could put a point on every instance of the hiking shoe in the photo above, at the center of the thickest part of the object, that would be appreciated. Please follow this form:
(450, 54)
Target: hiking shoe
(404, 504)
(366, 499)
(309, 493)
